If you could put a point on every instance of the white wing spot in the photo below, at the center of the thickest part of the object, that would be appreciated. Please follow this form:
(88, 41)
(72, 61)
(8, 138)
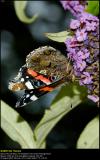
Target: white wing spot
(23, 99)
(27, 95)
(22, 79)
(29, 85)
(33, 98)
(27, 76)
(31, 91)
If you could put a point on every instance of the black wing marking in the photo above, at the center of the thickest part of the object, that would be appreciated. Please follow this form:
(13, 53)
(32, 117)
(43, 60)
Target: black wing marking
(34, 94)
(29, 81)
(29, 96)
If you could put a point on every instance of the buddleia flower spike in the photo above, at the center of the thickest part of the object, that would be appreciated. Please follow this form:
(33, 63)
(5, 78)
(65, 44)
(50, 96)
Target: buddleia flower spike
(83, 51)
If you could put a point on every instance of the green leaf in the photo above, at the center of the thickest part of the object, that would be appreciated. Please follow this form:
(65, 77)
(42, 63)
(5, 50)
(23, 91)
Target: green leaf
(17, 131)
(93, 7)
(19, 9)
(58, 37)
(67, 99)
(89, 138)
(43, 145)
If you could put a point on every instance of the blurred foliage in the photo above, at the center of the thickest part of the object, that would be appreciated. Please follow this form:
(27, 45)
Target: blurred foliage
(58, 37)
(93, 7)
(67, 99)
(17, 131)
(89, 138)
(19, 9)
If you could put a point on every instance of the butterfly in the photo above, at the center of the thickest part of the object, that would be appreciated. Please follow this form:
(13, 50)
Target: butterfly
(45, 69)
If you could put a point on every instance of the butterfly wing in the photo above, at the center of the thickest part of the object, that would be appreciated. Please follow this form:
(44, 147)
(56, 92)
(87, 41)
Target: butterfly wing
(42, 72)
(29, 96)
(28, 79)
(34, 94)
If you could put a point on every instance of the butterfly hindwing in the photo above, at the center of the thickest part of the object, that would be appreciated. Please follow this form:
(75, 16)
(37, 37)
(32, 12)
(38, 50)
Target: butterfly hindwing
(29, 96)
(34, 94)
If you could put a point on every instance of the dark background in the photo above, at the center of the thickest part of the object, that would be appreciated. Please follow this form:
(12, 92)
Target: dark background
(17, 40)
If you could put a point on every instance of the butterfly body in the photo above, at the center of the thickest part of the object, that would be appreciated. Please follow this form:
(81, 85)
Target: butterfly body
(45, 69)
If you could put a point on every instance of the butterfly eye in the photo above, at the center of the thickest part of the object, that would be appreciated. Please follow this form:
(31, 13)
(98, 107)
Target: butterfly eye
(52, 78)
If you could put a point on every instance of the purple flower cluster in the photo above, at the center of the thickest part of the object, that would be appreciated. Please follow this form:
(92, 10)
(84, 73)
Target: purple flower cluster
(75, 7)
(83, 51)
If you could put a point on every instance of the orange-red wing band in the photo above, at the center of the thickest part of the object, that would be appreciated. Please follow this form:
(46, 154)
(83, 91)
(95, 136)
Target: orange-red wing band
(46, 89)
(31, 72)
(38, 77)
(43, 79)
(53, 85)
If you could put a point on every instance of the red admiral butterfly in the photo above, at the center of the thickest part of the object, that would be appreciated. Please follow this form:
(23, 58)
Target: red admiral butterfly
(46, 68)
